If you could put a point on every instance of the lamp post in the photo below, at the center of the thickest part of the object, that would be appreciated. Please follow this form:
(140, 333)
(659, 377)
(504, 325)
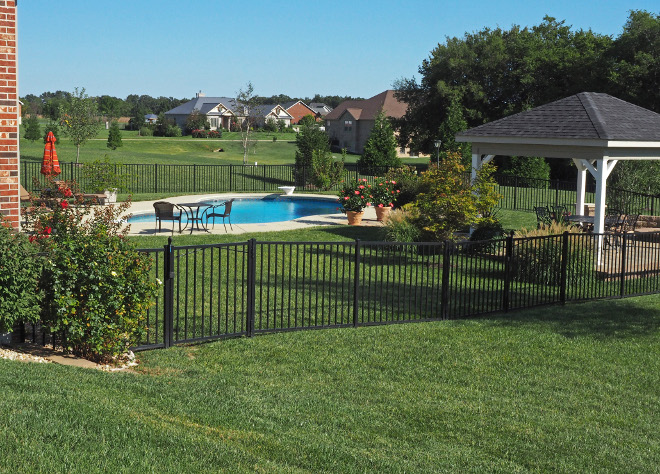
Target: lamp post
(437, 144)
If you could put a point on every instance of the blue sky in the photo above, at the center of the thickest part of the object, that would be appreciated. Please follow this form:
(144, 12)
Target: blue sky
(299, 48)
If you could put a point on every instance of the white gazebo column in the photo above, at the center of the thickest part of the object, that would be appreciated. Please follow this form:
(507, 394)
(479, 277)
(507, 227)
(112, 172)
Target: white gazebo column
(600, 170)
(478, 161)
(581, 186)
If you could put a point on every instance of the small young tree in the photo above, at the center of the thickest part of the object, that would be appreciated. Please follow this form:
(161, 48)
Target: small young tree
(80, 119)
(309, 140)
(326, 171)
(380, 149)
(32, 129)
(246, 104)
(307, 121)
(114, 136)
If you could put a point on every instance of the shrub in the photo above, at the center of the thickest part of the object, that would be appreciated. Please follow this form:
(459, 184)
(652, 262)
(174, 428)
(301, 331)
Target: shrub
(408, 183)
(537, 258)
(20, 297)
(326, 172)
(146, 131)
(101, 175)
(215, 134)
(400, 226)
(52, 127)
(199, 133)
(114, 136)
(97, 287)
(173, 131)
(532, 171)
(32, 128)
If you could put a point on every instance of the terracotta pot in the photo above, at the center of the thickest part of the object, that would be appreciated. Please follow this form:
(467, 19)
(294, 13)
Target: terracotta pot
(382, 213)
(354, 217)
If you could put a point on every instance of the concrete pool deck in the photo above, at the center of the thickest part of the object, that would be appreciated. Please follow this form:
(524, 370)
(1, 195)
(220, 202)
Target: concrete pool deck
(150, 228)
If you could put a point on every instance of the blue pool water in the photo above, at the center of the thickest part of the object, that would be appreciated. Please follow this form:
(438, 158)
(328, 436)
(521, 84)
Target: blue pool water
(256, 211)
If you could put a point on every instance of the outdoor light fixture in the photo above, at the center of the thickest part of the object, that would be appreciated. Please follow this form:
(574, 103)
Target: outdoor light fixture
(437, 144)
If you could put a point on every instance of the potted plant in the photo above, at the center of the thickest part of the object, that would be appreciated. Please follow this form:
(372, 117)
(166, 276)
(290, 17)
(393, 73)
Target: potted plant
(101, 177)
(353, 198)
(384, 193)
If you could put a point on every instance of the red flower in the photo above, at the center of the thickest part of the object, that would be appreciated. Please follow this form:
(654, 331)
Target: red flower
(361, 186)
(32, 238)
(64, 204)
(47, 231)
(357, 192)
(380, 205)
(68, 193)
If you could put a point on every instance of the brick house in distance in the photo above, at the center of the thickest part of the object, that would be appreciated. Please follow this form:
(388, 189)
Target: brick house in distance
(297, 110)
(9, 115)
(350, 123)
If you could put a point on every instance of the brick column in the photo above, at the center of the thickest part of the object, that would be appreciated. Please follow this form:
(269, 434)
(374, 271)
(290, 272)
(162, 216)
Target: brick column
(9, 113)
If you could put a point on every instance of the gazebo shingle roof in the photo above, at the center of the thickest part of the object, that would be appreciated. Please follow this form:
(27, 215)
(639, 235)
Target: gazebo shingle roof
(587, 115)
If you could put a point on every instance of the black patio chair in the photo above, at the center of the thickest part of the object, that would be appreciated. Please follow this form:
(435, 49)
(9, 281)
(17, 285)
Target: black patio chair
(559, 213)
(613, 226)
(543, 216)
(628, 227)
(165, 211)
(225, 215)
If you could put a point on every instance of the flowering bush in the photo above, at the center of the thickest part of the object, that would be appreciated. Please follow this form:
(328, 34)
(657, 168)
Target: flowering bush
(199, 133)
(384, 193)
(97, 286)
(355, 195)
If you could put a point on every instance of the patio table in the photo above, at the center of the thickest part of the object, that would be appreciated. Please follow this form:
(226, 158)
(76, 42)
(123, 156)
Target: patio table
(194, 212)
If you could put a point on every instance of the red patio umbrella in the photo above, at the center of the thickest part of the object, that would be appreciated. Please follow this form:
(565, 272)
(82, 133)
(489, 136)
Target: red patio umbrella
(51, 165)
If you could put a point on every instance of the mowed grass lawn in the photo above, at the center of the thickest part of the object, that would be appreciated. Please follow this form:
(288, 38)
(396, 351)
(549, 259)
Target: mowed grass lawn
(566, 389)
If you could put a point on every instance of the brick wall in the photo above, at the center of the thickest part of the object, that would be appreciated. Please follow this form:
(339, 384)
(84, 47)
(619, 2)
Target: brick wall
(9, 154)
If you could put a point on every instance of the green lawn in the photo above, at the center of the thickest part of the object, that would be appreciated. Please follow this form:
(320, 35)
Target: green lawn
(568, 389)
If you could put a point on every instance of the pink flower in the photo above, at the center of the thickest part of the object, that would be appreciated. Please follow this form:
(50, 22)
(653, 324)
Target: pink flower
(357, 192)
(380, 205)
(361, 186)
(346, 198)
(368, 204)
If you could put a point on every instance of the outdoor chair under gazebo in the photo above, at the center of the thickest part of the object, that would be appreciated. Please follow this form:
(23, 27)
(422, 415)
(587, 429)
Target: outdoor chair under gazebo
(595, 130)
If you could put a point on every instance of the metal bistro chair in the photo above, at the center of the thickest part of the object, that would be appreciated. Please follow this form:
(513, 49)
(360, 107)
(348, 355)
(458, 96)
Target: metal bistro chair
(543, 216)
(559, 213)
(165, 212)
(224, 215)
(628, 226)
(613, 224)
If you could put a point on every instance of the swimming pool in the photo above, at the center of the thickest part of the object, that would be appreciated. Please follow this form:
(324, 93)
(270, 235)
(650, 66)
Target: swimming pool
(264, 210)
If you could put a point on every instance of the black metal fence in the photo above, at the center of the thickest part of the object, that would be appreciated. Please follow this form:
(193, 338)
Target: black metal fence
(243, 289)
(518, 193)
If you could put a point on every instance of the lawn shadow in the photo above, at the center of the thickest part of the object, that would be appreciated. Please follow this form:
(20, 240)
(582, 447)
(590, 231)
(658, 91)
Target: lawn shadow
(604, 319)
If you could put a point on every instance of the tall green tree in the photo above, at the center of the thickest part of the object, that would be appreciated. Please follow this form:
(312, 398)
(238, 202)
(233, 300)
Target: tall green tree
(380, 149)
(80, 119)
(635, 73)
(32, 129)
(114, 136)
(309, 140)
(493, 73)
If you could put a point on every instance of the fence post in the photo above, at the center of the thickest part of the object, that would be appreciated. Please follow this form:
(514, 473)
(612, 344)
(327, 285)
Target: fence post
(231, 177)
(564, 267)
(515, 193)
(507, 272)
(155, 177)
(356, 282)
(168, 286)
(624, 244)
(556, 192)
(251, 281)
(444, 293)
(194, 177)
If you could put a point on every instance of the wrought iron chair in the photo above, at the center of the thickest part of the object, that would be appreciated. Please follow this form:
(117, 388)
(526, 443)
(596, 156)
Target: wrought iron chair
(613, 225)
(543, 216)
(559, 213)
(628, 226)
(165, 211)
(225, 215)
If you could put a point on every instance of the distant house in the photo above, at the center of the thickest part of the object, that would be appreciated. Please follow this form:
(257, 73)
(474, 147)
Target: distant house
(263, 113)
(320, 109)
(150, 118)
(349, 124)
(298, 109)
(219, 111)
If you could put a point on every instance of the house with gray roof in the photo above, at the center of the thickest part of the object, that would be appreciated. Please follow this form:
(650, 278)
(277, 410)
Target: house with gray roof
(320, 108)
(219, 111)
(263, 113)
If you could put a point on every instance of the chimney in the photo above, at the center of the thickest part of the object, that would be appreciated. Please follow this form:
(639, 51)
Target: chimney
(200, 94)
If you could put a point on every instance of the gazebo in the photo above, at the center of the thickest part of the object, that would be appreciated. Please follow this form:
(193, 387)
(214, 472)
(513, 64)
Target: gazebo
(595, 130)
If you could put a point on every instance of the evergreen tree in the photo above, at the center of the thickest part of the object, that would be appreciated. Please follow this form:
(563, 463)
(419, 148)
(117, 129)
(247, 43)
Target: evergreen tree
(310, 139)
(114, 136)
(32, 129)
(52, 127)
(380, 149)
